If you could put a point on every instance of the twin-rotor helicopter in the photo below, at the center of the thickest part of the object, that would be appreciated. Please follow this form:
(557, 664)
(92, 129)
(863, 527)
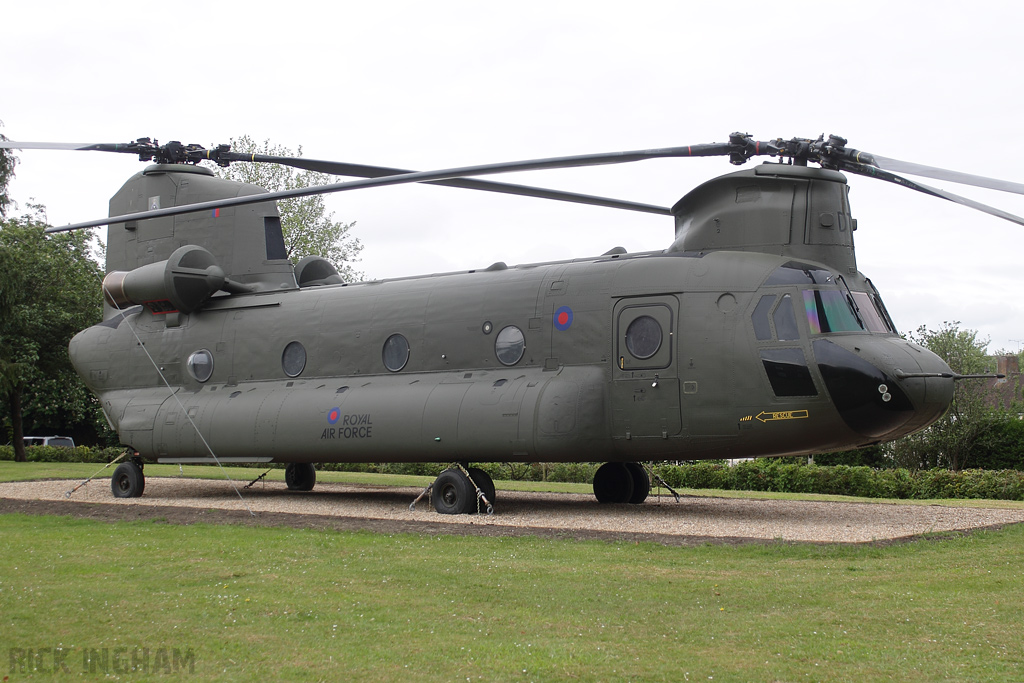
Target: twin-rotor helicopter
(752, 334)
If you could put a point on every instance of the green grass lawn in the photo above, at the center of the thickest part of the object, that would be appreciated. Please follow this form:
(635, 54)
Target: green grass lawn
(239, 603)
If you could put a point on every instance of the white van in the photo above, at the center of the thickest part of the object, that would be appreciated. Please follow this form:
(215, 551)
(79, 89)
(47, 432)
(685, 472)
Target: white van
(61, 441)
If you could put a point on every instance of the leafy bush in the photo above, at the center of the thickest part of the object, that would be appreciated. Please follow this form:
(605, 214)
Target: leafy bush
(894, 483)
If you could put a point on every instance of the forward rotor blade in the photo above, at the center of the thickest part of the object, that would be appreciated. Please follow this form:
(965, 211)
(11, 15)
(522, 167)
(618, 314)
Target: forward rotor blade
(945, 174)
(875, 172)
(365, 171)
(713, 149)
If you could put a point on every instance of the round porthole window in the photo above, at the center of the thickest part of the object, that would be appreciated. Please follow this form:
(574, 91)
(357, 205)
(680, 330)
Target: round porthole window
(293, 360)
(643, 337)
(200, 365)
(509, 345)
(396, 352)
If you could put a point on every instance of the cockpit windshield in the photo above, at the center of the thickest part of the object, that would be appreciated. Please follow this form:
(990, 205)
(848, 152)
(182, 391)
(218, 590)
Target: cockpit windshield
(870, 313)
(830, 310)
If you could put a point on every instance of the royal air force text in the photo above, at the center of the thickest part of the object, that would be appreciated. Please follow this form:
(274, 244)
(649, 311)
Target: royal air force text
(350, 427)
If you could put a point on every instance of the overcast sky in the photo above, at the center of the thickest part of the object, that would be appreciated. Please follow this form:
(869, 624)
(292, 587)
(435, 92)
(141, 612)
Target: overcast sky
(427, 85)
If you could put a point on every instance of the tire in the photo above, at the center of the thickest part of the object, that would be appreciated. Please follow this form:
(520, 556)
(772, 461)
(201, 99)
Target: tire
(128, 481)
(300, 476)
(453, 494)
(641, 482)
(484, 481)
(613, 483)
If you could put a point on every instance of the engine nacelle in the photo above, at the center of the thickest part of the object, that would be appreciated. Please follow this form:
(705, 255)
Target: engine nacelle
(182, 283)
(313, 271)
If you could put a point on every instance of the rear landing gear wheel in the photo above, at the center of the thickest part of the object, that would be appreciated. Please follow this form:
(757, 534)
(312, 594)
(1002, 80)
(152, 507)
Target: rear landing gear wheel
(613, 483)
(128, 480)
(486, 484)
(453, 494)
(300, 476)
(641, 482)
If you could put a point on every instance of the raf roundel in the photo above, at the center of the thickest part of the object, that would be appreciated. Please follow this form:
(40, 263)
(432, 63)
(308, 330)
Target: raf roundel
(332, 415)
(563, 318)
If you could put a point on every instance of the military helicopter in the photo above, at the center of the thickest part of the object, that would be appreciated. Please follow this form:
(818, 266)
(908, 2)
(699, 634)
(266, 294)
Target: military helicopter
(752, 334)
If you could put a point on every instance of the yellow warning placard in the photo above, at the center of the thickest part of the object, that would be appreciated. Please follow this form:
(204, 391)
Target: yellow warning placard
(783, 415)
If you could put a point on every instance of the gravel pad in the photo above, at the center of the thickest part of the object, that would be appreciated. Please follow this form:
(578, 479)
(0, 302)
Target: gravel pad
(386, 509)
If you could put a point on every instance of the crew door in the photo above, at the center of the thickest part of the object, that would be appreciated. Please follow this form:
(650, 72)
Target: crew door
(645, 382)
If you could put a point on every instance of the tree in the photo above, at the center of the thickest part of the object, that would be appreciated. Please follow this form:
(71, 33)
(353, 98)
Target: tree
(950, 441)
(1001, 444)
(49, 290)
(7, 162)
(308, 229)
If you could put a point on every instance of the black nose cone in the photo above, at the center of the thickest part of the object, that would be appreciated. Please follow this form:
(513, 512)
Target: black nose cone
(868, 400)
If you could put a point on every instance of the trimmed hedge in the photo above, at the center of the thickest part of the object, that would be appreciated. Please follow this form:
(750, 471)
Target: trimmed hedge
(756, 475)
(58, 454)
(843, 480)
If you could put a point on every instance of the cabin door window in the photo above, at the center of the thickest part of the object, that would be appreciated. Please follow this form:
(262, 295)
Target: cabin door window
(645, 334)
(645, 393)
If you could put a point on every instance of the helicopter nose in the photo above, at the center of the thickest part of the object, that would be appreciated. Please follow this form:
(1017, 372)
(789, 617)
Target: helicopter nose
(861, 377)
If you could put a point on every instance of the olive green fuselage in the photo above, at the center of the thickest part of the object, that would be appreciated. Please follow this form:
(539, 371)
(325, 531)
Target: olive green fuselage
(576, 394)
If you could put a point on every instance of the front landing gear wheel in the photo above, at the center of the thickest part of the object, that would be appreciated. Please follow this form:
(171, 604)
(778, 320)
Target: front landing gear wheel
(128, 480)
(300, 476)
(613, 483)
(453, 494)
(641, 482)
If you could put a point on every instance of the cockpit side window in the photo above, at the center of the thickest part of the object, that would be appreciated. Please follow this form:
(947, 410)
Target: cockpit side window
(775, 319)
(785, 320)
(783, 317)
(788, 372)
(762, 328)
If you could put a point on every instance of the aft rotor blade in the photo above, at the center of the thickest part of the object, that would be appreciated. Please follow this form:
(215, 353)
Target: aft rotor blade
(944, 174)
(366, 171)
(74, 146)
(347, 169)
(875, 172)
(713, 149)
